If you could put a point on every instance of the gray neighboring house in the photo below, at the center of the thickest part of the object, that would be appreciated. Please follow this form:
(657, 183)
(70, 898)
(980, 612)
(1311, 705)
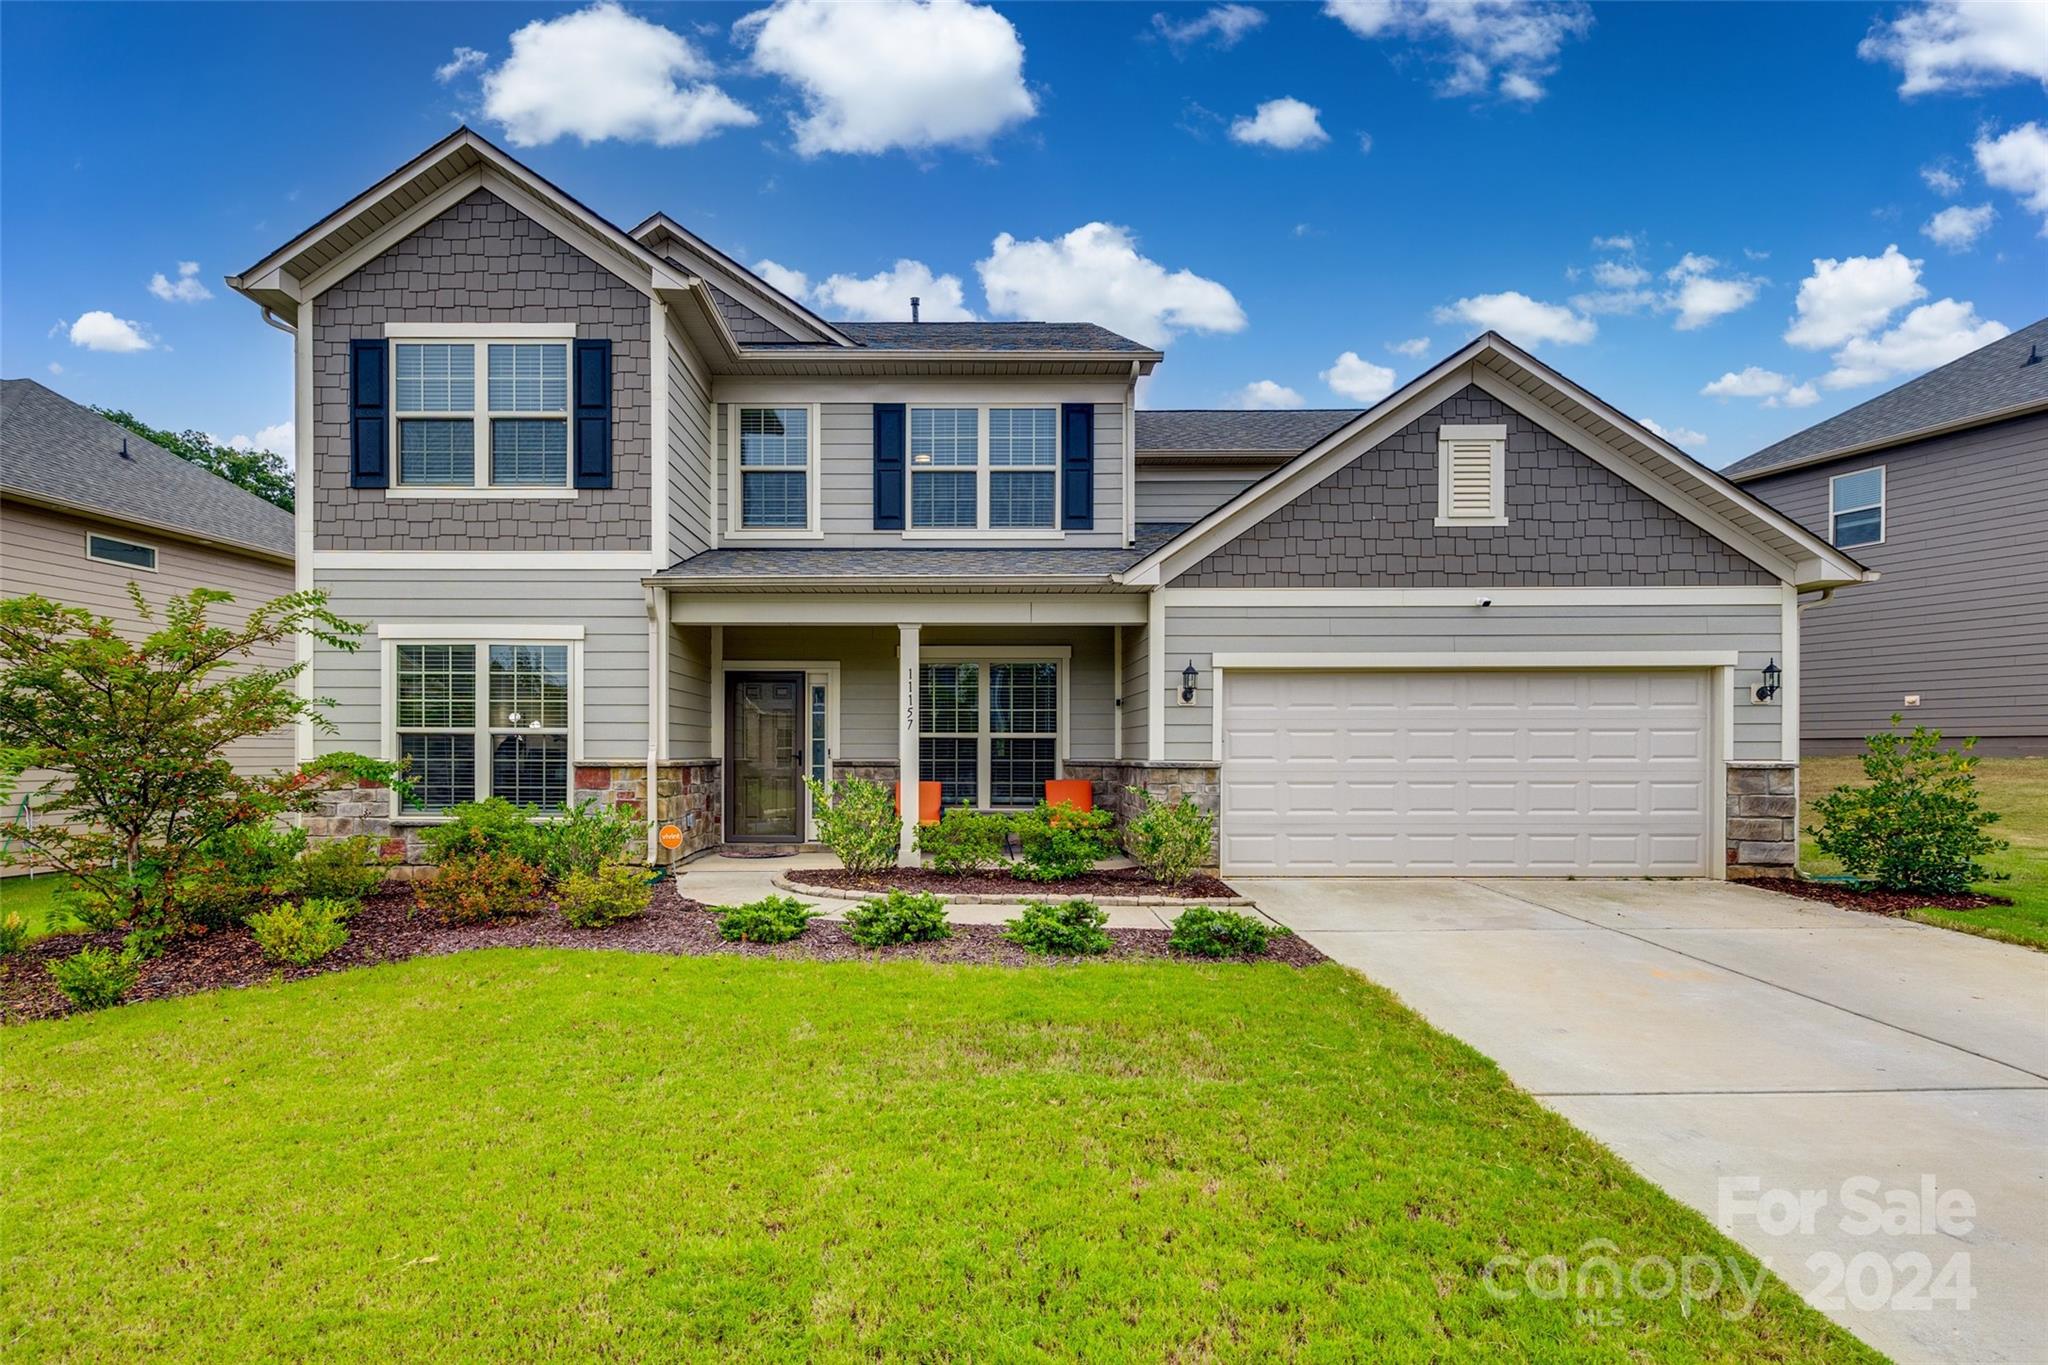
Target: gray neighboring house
(1940, 486)
(627, 522)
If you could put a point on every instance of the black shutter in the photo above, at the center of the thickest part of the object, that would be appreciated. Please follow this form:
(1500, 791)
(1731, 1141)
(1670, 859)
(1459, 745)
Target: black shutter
(889, 444)
(1077, 466)
(369, 404)
(593, 414)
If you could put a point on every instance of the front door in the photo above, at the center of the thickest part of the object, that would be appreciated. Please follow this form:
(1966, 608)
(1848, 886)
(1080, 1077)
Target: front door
(764, 741)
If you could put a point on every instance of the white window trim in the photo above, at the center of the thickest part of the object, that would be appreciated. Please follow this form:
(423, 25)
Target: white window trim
(155, 554)
(479, 336)
(981, 469)
(1061, 656)
(814, 529)
(1495, 433)
(815, 671)
(1884, 515)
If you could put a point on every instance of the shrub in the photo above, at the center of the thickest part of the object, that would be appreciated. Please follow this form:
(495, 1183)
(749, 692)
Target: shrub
(348, 870)
(1219, 933)
(1171, 842)
(1071, 929)
(1059, 841)
(772, 919)
(94, 978)
(13, 933)
(301, 932)
(857, 820)
(239, 871)
(1919, 825)
(899, 917)
(477, 829)
(479, 890)
(965, 841)
(599, 899)
(585, 838)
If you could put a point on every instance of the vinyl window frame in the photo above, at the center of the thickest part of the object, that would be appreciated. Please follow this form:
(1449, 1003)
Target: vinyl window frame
(985, 657)
(1496, 435)
(1882, 505)
(154, 554)
(981, 469)
(480, 337)
(814, 527)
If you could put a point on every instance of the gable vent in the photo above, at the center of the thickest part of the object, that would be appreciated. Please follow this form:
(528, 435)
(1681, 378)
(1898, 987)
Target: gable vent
(1470, 476)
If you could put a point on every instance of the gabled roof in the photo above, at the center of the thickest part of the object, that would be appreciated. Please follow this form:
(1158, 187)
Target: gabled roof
(992, 336)
(62, 454)
(2006, 379)
(1230, 431)
(663, 234)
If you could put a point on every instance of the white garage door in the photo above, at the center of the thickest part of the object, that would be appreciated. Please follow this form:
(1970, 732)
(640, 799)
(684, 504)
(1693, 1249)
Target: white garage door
(1538, 774)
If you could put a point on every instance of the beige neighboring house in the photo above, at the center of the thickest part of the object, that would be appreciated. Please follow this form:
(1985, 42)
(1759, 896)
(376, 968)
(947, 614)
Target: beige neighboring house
(88, 507)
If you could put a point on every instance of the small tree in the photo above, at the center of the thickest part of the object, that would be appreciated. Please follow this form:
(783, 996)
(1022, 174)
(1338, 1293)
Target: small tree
(137, 731)
(1919, 825)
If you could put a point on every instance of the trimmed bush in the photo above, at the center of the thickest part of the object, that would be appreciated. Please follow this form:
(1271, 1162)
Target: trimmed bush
(771, 919)
(302, 932)
(477, 829)
(480, 890)
(348, 870)
(899, 917)
(1219, 933)
(1919, 825)
(94, 978)
(965, 841)
(857, 820)
(238, 872)
(1172, 842)
(585, 838)
(1070, 929)
(13, 933)
(597, 900)
(1059, 842)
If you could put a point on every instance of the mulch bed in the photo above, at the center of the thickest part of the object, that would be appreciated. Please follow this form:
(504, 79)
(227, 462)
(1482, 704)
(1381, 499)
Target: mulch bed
(387, 929)
(1869, 898)
(1109, 881)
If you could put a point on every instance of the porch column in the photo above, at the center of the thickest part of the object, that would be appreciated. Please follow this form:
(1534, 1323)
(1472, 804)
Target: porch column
(906, 742)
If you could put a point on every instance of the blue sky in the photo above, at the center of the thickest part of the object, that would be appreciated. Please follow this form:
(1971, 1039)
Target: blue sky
(1263, 189)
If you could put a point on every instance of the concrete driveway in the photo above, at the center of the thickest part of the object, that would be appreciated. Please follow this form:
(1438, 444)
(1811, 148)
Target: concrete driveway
(1745, 1050)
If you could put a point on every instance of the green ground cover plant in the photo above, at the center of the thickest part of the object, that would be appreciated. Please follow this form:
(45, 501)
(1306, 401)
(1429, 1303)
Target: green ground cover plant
(771, 919)
(1069, 929)
(300, 933)
(594, 900)
(899, 917)
(1219, 933)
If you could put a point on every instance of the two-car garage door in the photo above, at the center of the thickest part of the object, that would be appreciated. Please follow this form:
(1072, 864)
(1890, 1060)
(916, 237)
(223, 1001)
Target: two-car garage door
(1539, 773)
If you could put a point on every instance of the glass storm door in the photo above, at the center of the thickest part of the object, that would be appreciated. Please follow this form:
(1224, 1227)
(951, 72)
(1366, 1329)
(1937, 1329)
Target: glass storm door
(765, 743)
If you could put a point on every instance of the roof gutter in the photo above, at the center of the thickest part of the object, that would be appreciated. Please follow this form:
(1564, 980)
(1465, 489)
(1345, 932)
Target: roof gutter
(916, 583)
(1982, 419)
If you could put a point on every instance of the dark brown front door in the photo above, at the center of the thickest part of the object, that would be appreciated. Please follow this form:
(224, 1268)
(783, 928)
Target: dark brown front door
(764, 757)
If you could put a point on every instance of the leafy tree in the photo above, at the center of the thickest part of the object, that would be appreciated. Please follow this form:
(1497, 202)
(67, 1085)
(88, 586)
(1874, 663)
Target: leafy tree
(266, 474)
(137, 732)
(1919, 825)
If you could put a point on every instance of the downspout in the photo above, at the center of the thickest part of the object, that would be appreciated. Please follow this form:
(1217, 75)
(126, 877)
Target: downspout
(279, 323)
(654, 700)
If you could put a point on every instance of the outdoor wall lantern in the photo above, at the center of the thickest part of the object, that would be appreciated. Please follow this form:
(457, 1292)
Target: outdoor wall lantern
(1769, 688)
(1188, 679)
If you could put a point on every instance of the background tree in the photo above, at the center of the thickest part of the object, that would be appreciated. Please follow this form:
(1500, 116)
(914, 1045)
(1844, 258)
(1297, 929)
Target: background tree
(266, 474)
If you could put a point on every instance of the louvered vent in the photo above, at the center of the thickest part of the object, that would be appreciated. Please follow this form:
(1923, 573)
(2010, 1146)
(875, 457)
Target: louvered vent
(1470, 479)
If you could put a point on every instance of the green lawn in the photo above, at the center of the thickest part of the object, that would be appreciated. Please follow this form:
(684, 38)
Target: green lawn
(34, 899)
(527, 1154)
(2017, 788)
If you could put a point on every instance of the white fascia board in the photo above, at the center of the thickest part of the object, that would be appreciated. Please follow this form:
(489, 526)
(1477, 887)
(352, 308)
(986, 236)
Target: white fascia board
(826, 608)
(964, 390)
(1494, 660)
(737, 280)
(495, 631)
(1501, 597)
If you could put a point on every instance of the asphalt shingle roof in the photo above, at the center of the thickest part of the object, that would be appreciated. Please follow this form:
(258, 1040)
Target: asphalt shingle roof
(55, 449)
(1986, 380)
(987, 336)
(1281, 431)
(889, 562)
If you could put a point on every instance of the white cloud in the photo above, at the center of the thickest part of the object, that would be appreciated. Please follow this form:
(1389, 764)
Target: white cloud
(1285, 123)
(1798, 396)
(1618, 302)
(1963, 44)
(1359, 380)
(1847, 298)
(100, 330)
(893, 73)
(464, 59)
(1619, 274)
(277, 439)
(2018, 161)
(1365, 144)
(1942, 181)
(1932, 334)
(1264, 393)
(1699, 299)
(601, 73)
(1414, 347)
(1096, 274)
(1502, 46)
(1958, 228)
(1753, 381)
(1521, 319)
(187, 288)
(1219, 25)
(794, 283)
(56, 368)
(1618, 243)
(885, 296)
(1678, 436)
(1692, 264)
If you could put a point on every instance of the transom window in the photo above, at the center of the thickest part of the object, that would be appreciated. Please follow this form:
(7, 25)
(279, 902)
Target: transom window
(508, 737)
(1856, 507)
(993, 468)
(127, 553)
(774, 450)
(518, 416)
(989, 730)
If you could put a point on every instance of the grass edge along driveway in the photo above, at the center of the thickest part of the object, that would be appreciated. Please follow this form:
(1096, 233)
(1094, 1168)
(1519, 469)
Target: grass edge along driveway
(530, 1154)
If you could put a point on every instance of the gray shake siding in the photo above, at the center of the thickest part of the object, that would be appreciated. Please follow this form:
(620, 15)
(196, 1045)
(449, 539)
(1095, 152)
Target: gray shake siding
(483, 261)
(1960, 613)
(1571, 522)
(689, 450)
(748, 327)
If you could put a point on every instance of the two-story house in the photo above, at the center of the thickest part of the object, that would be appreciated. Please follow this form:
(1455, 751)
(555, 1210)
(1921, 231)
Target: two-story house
(625, 520)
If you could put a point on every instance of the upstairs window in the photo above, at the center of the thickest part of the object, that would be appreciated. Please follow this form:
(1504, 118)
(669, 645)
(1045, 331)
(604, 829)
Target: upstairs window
(518, 414)
(1856, 508)
(945, 468)
(776, 474)
(984, 468)
(1471, 475)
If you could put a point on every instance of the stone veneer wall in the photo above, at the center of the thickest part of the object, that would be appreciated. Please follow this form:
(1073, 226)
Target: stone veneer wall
(1168, 782)
(1763, 819)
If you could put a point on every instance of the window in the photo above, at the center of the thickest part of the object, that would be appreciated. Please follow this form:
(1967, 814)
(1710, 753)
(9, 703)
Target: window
(1856, 508)
(509, 738)
(519, 415)
(126, 553)
(775, 484)
(1471, 475)
(951, 449)
(989, 730)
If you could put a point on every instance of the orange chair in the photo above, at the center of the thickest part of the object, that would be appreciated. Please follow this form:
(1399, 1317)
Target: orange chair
(1076, 792)
(927, 802)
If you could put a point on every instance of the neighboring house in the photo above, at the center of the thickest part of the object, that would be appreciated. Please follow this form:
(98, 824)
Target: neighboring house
(626, 521)
(1941, 486)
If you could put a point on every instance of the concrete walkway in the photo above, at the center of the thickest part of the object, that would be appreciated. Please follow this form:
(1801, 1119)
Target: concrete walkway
(1729, 1043)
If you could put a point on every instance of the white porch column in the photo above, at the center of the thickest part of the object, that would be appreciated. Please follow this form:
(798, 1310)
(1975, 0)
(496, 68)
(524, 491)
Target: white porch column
(906, 742)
